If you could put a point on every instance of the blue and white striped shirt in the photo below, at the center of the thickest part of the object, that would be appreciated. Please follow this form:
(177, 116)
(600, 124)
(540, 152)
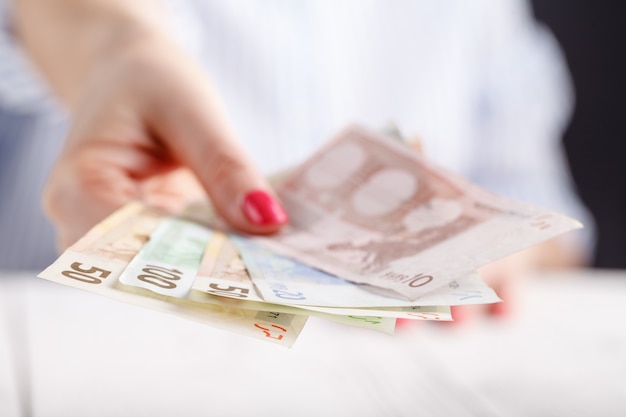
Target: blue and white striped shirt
(484, 87)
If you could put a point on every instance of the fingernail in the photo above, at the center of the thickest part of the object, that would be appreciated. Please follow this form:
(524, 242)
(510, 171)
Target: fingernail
(262, 210)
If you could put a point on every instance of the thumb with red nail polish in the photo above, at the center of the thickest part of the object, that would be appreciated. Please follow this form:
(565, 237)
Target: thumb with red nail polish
(145, 116)
(205, 143)
(261, 209)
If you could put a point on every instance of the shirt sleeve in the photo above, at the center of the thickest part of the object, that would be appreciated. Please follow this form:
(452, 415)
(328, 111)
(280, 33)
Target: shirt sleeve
(525, 103)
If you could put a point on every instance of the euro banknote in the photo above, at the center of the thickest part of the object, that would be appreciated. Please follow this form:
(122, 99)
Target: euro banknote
(170, 264)
(368, 209)
(185, 260)
(97, 261)
(376, 233)
(281, 279)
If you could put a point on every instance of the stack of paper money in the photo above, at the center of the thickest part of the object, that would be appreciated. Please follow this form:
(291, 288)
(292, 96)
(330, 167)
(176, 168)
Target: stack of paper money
(376, 233)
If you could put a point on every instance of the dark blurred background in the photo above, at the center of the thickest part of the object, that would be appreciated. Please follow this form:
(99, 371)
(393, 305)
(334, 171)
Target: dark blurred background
(592, 35)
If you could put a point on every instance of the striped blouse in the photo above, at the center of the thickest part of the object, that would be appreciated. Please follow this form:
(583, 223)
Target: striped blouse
(481, 84)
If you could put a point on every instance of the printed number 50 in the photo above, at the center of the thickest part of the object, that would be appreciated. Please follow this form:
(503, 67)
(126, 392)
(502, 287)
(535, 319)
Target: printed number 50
(91, 275)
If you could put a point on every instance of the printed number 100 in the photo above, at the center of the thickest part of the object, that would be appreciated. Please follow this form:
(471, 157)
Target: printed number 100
(160, 276)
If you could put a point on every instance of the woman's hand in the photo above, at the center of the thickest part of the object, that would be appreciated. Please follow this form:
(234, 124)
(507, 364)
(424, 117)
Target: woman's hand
(147, 125)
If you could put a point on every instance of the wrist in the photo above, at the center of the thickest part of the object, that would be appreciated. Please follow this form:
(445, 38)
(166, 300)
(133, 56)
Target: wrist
(71, 39)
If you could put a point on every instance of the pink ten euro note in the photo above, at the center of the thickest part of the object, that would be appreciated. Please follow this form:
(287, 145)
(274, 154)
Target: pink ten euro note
(370, 210)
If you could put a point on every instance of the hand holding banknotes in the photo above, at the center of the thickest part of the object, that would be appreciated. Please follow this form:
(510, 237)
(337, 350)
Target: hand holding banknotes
(147, 124)
(379, 253)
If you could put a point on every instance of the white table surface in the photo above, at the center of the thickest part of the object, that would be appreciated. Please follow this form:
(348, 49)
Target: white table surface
(65, 352)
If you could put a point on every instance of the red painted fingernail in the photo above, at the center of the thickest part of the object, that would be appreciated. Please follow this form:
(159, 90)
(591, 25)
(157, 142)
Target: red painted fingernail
(262, 210)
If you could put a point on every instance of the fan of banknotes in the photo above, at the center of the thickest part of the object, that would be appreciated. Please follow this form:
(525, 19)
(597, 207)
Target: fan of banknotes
(376, 233)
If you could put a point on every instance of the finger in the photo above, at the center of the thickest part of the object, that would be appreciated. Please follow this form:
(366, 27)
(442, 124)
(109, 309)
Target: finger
(403, 324)
(508, 290)
(173, 191)
(100, 168)
(81, 192)
(506, 276)
(465, 314)
(502, 309)
(194, 128)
